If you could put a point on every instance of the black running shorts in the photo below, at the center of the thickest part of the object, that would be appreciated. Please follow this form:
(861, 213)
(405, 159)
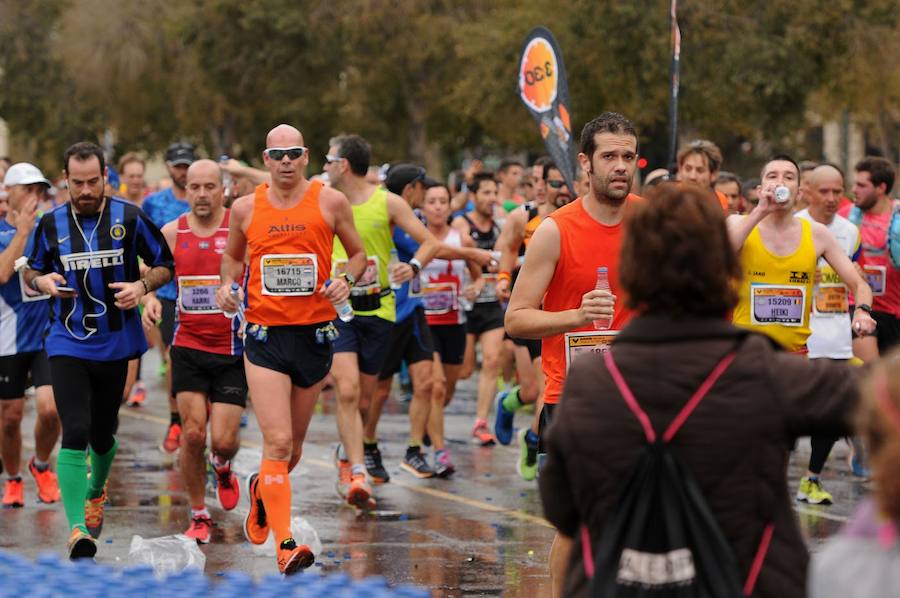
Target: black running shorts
(292, 350)
(410, 341)
(18, 372)
(220, 377)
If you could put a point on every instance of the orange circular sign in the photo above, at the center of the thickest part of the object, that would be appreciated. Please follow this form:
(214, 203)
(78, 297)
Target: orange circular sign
(538, 75)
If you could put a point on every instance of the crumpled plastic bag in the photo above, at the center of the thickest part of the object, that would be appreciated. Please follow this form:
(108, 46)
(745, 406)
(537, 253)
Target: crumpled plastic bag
(303, 532)
(167, 554)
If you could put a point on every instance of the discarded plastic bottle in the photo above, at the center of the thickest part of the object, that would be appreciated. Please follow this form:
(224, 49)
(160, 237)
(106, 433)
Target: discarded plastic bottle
(235, 294)
(392, 262)
(344, 311)
(602, 285)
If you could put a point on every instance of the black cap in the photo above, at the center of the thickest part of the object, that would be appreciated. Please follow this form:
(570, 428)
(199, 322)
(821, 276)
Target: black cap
(401, 175)
(180, 153)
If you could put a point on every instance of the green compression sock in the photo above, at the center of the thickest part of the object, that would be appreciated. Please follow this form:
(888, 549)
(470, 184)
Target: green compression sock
(511, 401)
(100, 466)
(71, 470)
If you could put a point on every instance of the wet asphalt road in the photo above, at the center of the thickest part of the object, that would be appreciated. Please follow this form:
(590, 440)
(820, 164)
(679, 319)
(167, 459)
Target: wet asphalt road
(479, 533)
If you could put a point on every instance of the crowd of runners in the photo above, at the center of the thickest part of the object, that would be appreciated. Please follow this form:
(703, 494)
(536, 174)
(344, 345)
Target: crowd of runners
(269, 284)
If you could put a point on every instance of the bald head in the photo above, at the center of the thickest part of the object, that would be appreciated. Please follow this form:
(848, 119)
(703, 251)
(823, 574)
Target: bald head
(825, 172)
(824, 190)
(284, 136)
(204, 190)
(205, 169)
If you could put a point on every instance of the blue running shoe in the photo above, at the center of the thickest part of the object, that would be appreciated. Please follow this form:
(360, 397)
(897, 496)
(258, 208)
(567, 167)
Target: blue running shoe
(503, 424)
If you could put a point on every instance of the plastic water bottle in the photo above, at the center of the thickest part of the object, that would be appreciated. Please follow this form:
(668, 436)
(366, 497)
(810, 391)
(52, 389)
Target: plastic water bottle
(240, 306)
(782, 194)
(395, 259)
(344, 311)
(464, 302)
(602, 285)
(226, 178)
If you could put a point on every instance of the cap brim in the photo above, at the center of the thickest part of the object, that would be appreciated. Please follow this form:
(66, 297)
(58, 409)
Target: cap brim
(180, 161)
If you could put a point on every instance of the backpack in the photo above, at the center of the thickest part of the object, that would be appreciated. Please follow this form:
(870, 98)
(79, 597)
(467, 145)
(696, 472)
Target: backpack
(893, 232)
(662, 539)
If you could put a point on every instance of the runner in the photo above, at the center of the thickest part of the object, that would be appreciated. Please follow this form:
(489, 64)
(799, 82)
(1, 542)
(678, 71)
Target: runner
(516, 235)
(91, 246)
(286, 232)
(360, 350)
(830, 317)
(699, 163)
(163, 207)
(24, 317)
(445, 299)
(560, 272)
(484, 323)
(207, 362)
(509, 177)
(779, 254)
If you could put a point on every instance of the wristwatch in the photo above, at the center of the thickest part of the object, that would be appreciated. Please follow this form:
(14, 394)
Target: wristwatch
(348, 278)
(416, 266)
(865, 308)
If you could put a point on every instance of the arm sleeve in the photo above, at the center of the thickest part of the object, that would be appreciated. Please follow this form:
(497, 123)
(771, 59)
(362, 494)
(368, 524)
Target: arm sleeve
(151, 245)
(40, 258)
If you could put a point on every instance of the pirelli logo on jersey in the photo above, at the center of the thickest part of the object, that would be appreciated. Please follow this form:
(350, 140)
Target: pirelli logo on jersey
(93, 259)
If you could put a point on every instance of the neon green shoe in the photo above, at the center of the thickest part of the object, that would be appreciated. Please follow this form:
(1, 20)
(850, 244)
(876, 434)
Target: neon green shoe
(527, 463)
(811, 492)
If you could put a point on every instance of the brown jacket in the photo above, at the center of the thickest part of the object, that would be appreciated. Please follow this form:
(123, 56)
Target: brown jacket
(735, 443)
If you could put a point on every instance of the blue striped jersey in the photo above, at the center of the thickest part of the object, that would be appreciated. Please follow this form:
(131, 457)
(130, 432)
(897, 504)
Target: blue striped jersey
(24, 314)
(91, 252)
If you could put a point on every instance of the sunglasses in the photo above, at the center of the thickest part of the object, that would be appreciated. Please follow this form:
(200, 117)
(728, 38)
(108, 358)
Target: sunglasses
(556, 184)
(332, 159)
(278, 153)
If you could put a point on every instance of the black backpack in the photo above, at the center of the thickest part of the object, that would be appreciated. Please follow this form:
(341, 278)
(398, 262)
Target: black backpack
(662, 539)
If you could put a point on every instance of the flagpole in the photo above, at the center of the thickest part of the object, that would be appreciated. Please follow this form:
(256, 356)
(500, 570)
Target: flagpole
(675, 82)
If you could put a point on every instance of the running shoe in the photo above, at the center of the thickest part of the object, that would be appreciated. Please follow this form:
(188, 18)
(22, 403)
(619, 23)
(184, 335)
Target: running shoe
(200, 529)
(858, 468)
(14, 494)
(342, 486)
(173, 438)
(81, 545)
(811, 492)
(138, 395)
(47, 484)
(443, 466)
(414, 462)
(374, 466)
(359, 493)
(482, 435)
(293, 558)
(503, 423)
(256, 528)
(228, 488)
(93, 514)
(527, 463)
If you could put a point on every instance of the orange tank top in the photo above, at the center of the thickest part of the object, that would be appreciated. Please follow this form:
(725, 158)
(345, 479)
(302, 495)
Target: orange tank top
(289, 261)
(584, 246)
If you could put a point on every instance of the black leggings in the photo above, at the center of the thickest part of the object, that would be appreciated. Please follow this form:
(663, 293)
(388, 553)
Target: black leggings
(821, 447)
(88, 394)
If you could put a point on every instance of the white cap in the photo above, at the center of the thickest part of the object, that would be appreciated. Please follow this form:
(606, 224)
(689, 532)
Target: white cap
(24, 173)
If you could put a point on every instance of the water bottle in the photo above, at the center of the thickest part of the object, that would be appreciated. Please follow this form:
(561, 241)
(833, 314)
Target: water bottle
(344, 311)
(226, 178)
(602, 285)
(395, 259)
(240, 306)
(464, 302)
(782, 194)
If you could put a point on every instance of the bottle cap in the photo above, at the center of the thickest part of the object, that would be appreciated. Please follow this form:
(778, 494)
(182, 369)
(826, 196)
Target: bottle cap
(602, 269)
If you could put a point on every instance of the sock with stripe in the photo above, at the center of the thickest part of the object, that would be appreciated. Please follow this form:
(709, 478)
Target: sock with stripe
(71, 471)
(100, 466)
(275, 491)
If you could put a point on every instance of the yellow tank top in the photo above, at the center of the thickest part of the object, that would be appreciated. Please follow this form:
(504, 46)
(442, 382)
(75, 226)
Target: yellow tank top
(776, 292)
(373, 223)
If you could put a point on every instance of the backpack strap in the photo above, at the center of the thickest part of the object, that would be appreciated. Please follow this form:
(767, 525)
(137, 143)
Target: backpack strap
(761, 551)
(685, 412)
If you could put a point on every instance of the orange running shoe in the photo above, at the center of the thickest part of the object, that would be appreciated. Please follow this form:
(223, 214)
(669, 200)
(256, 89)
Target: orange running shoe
(173, 438)
(201, 529)
(47, 484)
(14, 494)
(481, 434)
(360, 493)
(81, 545)
(93, 514)
(256, 528)
(138, 395)
(342, 486)
(293, 558)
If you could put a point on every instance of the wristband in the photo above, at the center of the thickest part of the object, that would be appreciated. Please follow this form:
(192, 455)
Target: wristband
(416, 266)
(348, 278)
(146, 288)
(865, 308)
(504, 276)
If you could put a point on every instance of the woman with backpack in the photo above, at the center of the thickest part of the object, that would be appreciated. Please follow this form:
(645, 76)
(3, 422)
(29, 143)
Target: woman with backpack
(666, 461)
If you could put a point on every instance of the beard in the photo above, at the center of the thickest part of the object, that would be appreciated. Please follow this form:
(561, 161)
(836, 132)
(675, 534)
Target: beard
(605, 191)
(88, 205)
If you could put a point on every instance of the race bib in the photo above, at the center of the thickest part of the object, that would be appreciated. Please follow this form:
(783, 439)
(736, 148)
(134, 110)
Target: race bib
(439, 298)
(777, 304)
(368, 283)
(29, 294)
(832, 299)
(876, 277)
(289, 274)
(489, 293)
(197, 294)
(580, 343)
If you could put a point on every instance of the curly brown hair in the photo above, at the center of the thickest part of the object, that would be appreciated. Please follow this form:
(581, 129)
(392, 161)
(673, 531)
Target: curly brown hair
(878, 421)
(677, 258)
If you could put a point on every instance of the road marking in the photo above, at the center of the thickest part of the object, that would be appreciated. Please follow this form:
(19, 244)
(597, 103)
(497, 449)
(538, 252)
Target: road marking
(471, 502)
(820, 513)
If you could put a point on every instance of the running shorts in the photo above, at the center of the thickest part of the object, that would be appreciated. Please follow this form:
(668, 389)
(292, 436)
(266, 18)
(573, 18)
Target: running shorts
(484, 317)
(411, 341)
(292, 350)
(368, 337)
(220, 377)
(18, 372)
(450, 342)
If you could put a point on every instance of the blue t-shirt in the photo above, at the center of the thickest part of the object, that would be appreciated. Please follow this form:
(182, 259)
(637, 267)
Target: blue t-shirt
(24, 314)
(163, 207)
(91, 253)
(406, 249)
